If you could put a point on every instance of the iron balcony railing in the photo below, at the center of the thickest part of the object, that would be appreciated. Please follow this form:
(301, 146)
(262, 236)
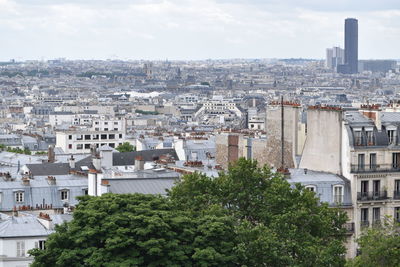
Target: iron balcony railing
(375, 195)
(359, 168)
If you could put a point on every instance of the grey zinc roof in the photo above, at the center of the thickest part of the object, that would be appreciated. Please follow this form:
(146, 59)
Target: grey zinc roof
(23, 226)
(48, 168)
(390, 117)
(128, 158)
(324, 183)
(28, 225)
(143, 186)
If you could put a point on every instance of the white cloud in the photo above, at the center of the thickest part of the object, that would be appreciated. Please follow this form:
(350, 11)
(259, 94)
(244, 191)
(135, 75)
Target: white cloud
(184, 29)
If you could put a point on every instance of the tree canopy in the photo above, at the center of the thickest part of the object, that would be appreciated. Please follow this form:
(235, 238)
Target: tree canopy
(278, 224)
(379, 246)
(248, 216)
(126, 147)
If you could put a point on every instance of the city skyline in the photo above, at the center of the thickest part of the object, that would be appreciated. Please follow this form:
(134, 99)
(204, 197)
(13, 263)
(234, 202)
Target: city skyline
(189, 30)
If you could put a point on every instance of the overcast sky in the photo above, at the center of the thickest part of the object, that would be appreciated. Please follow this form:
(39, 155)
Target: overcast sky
(193, 29)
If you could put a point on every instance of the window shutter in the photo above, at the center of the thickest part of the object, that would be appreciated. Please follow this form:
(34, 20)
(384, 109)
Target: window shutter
(36, 244)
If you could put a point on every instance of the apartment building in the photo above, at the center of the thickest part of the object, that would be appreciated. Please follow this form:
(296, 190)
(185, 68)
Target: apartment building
(364, 147)
(110, 132)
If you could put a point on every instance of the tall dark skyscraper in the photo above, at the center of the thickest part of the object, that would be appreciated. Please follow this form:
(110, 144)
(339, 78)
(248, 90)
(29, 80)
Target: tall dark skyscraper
(351, 45)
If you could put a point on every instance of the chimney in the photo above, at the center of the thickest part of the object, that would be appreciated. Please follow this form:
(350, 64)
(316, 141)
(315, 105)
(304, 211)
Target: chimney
(51, 155)
(373, 112)
(51, 180)
(71, 162)
(46, 221)
(25, 181)
(97, 163)
(15, 212)
(139, 163)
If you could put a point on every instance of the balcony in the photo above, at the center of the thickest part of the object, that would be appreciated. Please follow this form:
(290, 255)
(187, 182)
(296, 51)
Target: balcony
(371, 196)
(364, 224)
(396, 194)
(357, 168)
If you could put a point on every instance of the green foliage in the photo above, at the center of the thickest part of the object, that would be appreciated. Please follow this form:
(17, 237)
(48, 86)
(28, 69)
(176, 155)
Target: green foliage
(138, 230)
(379, 246)
(279, 225)
(248, 216)
(146, 112)
(41, 153)
(18, 150)
(205, 83)
(126, 147)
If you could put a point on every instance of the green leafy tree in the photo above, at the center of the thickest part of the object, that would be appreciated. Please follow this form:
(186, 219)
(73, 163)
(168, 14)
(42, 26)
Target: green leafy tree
(379, 246)
(279, 224)
(126, 147)
(139, 230)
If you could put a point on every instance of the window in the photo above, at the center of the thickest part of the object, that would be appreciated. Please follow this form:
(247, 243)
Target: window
(20, 248)
(87, 136)
(120, 136)
(106, 123)
(376, 215)
(376, 188)
(358, 138)
(105, 129)
(396, 160)
(19, 197)
(97, 129)
(115, 123)
(95, 137)
(87, 146)
(364, 217)
(370, 138)
(69, 146)
(372, 161)
(364, 189)
(392, 136)
(85, 191)
(40, 244)
(396, 193)
(111, 145)
(397, 214)
(338, 194)
(103, 136)
(70, 137)
(115, 129)
(79, 146)
(96, 122)
(361, 161)
(64, 195)
(312, 188)
(79, 137)
(111, 136)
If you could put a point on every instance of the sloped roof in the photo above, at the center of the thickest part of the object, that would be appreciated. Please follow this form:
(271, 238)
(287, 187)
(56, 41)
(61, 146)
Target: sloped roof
(128, 158)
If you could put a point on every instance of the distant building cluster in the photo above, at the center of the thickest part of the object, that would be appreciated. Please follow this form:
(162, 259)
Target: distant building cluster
(63, 124)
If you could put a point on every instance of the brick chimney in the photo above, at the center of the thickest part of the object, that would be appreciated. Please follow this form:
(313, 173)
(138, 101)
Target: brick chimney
(139, 163)
(51, 155)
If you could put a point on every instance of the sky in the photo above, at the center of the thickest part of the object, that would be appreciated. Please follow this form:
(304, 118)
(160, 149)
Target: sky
(193, 29)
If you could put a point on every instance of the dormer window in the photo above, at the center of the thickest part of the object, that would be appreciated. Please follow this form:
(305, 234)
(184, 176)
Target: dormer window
(392, 136)
(358, 138)
(312, 188)
(338, 194)
(370, 137)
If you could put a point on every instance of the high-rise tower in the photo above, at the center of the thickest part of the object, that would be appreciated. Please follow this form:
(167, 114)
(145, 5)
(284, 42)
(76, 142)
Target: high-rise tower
(351, 45)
